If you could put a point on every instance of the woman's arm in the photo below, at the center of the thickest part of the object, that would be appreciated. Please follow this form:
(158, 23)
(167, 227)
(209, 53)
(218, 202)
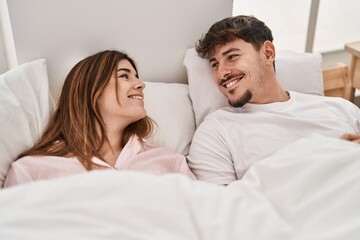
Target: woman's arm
(17, 174)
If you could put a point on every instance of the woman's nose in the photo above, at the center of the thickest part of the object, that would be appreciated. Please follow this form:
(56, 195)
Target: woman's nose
(139, 84)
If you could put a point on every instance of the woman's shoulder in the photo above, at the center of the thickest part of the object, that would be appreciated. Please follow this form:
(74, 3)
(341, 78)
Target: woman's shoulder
(27, 159)
(38, 157)
(32, 168)
(39, 161)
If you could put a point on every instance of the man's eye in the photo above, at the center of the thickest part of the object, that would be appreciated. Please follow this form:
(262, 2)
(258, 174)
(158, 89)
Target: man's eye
(214, 65)
(232, 57)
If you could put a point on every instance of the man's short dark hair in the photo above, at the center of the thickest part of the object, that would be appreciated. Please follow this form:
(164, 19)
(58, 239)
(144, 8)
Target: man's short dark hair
(247, 28)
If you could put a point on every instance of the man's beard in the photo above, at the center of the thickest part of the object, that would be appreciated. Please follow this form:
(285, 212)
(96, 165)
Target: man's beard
(244, 99)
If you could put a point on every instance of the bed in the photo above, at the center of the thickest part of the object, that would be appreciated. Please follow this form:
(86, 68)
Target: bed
(310, 189)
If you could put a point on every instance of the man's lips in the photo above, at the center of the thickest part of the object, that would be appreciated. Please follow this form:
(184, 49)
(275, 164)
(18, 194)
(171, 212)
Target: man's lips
(228, 83)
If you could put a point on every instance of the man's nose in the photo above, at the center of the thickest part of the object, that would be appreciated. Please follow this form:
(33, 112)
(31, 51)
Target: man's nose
(222, 71)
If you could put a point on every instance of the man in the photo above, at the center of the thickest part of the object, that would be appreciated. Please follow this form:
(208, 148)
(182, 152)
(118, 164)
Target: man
(262, 116)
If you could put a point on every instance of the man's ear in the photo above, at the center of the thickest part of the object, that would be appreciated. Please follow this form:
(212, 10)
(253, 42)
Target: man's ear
(269, 51)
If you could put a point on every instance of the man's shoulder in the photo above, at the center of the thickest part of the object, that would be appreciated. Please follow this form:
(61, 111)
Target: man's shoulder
(219, 118)
(309, 96)
(312, 95)
(217, 115)
(305, 95)
(317, 101)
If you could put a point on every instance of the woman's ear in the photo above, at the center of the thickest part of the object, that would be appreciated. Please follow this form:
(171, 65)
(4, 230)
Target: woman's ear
(269, 51)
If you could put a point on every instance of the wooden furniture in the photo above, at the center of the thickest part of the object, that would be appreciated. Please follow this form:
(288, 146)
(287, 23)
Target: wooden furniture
(354, 49)
(337, 82)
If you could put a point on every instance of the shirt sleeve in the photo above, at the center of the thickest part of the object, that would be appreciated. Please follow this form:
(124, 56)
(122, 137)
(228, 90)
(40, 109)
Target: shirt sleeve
(209, 156)
(17, 174)
(184, 169)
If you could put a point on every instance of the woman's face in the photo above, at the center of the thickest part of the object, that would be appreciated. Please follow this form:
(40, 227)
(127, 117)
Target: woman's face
(125, 104)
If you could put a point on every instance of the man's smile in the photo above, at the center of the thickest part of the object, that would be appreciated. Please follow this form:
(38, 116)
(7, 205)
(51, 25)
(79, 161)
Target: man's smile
(228, 83)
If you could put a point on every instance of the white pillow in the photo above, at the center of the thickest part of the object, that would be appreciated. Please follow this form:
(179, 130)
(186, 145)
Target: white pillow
(25, 106)
(300, 72)
(169, 105)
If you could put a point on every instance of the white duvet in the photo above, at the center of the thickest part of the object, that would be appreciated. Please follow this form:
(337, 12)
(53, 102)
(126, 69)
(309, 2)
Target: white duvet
(308, 190)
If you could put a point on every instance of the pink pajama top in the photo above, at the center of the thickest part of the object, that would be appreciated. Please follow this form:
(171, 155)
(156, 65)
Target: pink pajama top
(134, 156)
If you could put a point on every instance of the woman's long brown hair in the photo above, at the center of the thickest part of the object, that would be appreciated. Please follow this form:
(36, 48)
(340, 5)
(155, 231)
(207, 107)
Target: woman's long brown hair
(71, 130)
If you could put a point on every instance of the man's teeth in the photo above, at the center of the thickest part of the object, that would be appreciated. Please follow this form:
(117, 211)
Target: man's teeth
(232, 83)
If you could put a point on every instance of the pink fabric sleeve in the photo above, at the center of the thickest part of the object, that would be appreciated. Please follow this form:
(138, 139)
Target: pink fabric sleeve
(184, 169)
(17, 174)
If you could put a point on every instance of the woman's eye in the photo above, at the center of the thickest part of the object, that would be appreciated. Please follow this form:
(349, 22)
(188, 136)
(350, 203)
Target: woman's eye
(124, 76)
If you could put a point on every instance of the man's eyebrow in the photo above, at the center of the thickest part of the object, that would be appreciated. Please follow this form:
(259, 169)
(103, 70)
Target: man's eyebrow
(224, 53)
(229, 51)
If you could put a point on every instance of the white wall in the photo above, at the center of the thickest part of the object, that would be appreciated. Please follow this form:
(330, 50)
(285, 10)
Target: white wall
(338, 22)
(7, 48)
(4, 66)
(287, 19)
(155, 33)
(3, 62)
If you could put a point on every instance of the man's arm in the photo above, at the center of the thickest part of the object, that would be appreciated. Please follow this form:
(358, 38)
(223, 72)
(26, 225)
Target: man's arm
(352, 137)
(209, 157)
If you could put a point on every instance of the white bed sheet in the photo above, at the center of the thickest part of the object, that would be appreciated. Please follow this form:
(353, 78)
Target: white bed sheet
(308, 190)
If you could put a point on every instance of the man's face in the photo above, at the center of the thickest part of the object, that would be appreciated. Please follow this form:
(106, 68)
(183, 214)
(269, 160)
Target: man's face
(238, 69)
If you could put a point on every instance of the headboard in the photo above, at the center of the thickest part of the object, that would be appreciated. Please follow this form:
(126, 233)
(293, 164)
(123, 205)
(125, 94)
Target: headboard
(155, 33)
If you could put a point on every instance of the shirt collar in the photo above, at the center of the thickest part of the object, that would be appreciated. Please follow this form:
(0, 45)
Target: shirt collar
(132, 148)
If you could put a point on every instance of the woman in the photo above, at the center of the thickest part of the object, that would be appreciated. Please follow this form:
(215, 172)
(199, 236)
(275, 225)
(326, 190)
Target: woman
(99, 123)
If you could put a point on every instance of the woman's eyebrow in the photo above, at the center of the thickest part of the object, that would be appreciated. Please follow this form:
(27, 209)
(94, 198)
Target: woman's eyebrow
(128, 71)
(124, 69)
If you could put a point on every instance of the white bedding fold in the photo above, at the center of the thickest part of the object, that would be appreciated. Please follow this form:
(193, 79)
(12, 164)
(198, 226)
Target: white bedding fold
(308, 190)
